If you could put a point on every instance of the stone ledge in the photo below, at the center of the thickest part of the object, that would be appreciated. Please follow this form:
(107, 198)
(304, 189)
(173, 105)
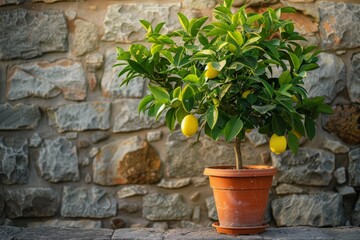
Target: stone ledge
(12, 233)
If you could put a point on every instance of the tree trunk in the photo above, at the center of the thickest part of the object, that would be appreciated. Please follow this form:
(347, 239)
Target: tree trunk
(238, 156)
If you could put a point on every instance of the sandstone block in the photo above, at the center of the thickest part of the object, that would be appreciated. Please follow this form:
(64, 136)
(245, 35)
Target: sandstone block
(58, 160)
(318, 210)
(174, 183)
(157, 207)
(86, 37)
(19, 116)
(37, 32)
(308, 167)
(127, 118)
(127, 161)
(47, 80)
(122, 24)
(339, 25)
(353, 168)
(285, 188)
(91, 202)
(80, 116)
(329, 79)
(31, 202)
(354, 81)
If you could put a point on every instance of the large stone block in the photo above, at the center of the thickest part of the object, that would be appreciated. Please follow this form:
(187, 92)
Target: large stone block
(308, 167)
(318, 210)
(14, 162)
(110, 83)
(158, 207)
(355, 215)
(329, 79)
(83, 224)
(339, 26)
(91, 202)
(80, 116)
(31, 202)
(19, 116)
(122, 21)
(198, 4)
(47, 80)
(86, 37)
(354, 80)
(29, 33)
(354, 167)
(127, 118)
(132, 160)
(344, 122)
(58, 160)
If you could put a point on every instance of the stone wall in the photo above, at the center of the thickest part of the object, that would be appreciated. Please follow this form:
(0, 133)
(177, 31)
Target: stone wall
(74, 151)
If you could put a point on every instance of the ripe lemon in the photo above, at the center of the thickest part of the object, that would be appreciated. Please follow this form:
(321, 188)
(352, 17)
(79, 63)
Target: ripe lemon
(277, 144)
(245, 94)
(296, 133)
(211, 72)
(189, 125)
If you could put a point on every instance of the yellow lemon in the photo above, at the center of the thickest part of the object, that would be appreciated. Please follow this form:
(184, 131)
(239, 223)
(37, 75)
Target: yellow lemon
(277, 144)
(245, 94)
(189, 125)
(211, 72)
(296, 133)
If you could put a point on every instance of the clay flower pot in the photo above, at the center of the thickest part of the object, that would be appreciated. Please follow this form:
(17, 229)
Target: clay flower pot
(240, 197)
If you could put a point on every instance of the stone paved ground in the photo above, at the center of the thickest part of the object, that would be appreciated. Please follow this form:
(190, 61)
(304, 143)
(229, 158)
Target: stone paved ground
(298, 233)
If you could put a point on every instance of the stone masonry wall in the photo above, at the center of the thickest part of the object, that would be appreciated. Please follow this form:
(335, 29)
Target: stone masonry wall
(74, 151)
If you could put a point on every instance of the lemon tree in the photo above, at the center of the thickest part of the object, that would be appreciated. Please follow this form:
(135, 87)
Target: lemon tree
(223, 73)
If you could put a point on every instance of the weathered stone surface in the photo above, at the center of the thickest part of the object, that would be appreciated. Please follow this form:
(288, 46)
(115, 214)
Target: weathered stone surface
(308, 167)
(94, 151)
(340, 175)
(71, 135)
(88, 178)
(335, 146)
(20, 116)
(256, 138)
(14, 162)
(354, 167)
(80, 116)
(35, 140)
(31, 202)
(157, 207)
(94, 61)
(200, 181)
(253, 3)
(70, 14)
(127, 161)
(127, 118)
(110, 81)
(47, 1)
(128, 207)
(345, 190)
(153, 136)
(344, 122)
(196, 214)
(47, 80)
(174, 183)
(58, 160)
(86, 37)
(117, 223)
(37, 32)
(210, 205)
(162, 225)
(195, 196)
(199, 4)
(129, 191)
(320, 209)
(10, 2)
(139, 233)
(188, 224)
(306, 7)
(99, 136)
(354, 80)
(329, 79)
(83, 224)
(355, 215)
(122, 24)
(285, 188)
(186, 159)
(2, 203)
(90, 202)
(339, 25)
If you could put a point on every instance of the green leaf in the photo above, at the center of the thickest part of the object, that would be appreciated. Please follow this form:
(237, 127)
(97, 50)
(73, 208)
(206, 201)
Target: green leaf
(187, 98)
(183, 21)
(159, 27)
(295, 61)
(309, 67)
(176, 92)
(159, 111)
(191, 78)
(298, 125)
(165, 39)
(253, 19)
(248, 61)
(236, 35)
(144, 102)
(146, 25)
(159, 93)
(178, 55)
(212, 116)
(228, 3)
(278, 125)
(170, 119)
(180, 114)
(285, 77)
(167, 55)
(293, 142)
(195, 26)
(264, 109)
(154, 109)
(156, 47)
(232, 128)
(268, 88)
(137, 67)
(310, 127)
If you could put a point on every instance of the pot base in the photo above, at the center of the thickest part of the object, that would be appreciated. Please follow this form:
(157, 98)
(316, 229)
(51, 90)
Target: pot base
(240, 230)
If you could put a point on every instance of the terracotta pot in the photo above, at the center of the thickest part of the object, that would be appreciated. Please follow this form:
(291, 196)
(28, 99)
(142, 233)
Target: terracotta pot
(240, 197)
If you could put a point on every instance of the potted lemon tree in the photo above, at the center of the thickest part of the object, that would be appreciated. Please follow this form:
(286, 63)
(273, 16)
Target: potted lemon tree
(240, 72)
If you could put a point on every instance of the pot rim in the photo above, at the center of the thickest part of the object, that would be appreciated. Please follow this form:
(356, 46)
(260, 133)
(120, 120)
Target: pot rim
(247, 171)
